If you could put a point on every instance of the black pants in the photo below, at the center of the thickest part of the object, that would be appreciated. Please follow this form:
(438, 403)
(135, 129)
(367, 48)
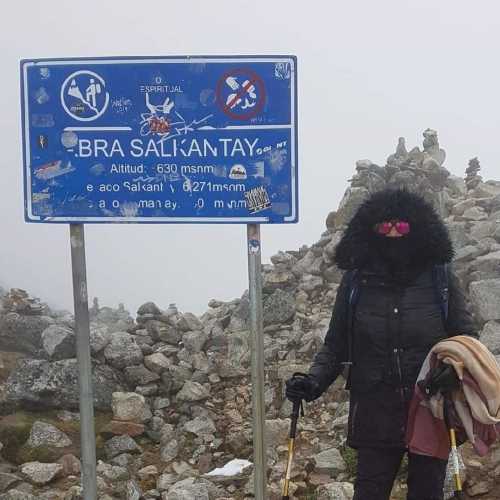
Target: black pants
(377, 469)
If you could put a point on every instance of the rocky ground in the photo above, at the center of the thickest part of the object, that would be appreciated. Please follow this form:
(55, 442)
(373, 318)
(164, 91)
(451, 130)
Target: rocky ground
(172, 392)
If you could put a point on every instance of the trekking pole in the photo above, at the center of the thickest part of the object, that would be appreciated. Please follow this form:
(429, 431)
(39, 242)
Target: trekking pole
(459, 494)
(297, 407)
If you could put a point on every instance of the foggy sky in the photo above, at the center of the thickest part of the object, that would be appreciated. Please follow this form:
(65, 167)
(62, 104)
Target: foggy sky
(369, 72)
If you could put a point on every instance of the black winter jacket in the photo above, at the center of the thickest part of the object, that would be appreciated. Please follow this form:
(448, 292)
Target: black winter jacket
(395, 327)
(397, 319)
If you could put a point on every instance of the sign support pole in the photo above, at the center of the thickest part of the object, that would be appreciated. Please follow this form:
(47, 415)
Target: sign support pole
(257, 336)
(82, 323)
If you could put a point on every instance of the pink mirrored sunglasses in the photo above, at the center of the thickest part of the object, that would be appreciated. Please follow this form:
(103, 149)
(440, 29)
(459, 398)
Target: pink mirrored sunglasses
(401, 226)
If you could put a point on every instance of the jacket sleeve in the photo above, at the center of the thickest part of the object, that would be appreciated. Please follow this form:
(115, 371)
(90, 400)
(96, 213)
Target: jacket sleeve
(327, 363)
(460, 320)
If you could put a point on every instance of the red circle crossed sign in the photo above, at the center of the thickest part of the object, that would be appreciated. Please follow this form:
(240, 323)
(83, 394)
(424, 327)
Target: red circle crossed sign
(238, 90)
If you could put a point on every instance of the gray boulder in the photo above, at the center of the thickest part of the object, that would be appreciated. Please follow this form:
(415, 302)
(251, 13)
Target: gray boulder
(40, 473)
(194, 341)
(193, 391)
(276, 432)
(163, 332)
(238, 349)
(139, 375)
(131, 407)
(7, 480)
(19, 333)
(59, 342)
(485, 298)
(44, 434)
(329, 462)
(149, 308)
(157, 362)
(483, 229)
(120, 444)
(112, 472)
(277, 279)
(490, 336)
(279, 308)
(335, 491)
(187, 489)
(44, 384)
(169, 446)
(123, 351)
(189, 322)
(17, 495)
(487, 266)
(200, 426)
(352, 199)
(132, 490)
(99, 337)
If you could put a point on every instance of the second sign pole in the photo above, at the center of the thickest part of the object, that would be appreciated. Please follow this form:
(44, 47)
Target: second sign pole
(257, 345)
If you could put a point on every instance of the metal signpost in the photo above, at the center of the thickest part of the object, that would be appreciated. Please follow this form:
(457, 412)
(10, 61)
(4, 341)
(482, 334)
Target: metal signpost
(205, 139)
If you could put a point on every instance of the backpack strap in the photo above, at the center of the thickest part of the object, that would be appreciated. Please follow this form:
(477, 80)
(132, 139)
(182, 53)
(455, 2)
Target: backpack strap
(440, 279)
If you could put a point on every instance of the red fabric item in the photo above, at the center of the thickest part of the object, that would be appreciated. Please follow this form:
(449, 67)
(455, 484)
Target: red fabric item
(427, 434)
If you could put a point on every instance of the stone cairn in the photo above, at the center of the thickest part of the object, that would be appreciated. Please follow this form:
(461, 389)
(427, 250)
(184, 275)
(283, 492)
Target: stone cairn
(172, 390)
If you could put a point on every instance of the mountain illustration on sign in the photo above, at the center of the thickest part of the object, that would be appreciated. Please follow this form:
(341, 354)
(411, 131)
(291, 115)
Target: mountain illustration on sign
(90, 94)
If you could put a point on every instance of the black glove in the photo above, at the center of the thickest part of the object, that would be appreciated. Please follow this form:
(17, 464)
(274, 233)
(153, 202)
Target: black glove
(302, 386)
(443, 378)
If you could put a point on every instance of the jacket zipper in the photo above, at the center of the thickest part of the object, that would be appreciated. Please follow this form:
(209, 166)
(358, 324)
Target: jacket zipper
(353, 419)
(400, 373)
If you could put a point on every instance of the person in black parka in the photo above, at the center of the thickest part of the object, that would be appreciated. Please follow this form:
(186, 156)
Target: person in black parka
(393, 245)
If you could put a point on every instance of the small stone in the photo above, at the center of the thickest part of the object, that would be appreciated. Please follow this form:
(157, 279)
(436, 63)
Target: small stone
(71, 465)
(204, 463)
(194, 341)
(169, 450)
(200, 426)
(329, 462)
(17, 495)
(119, 428)
(193, 391)
(59, 342)
(147, 472)
(130, 406)
(140, 375)
(7, 480)
(40, 473)
(43, 434)
(189, 322)
(112, 472)
(165, 481)
(157, 362)
(123, 351)
(133, 490)
(149, 308)
(479, 489)
(188, 490)
(335, 491)
(120, 444)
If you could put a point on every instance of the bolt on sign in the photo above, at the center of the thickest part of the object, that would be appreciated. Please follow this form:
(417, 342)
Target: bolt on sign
(160, 139)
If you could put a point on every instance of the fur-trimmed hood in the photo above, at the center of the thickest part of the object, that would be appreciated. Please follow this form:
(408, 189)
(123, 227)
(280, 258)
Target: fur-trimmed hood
(427, 243)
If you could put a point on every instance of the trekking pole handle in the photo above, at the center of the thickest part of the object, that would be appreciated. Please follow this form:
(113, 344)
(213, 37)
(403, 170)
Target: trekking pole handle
(295, 417)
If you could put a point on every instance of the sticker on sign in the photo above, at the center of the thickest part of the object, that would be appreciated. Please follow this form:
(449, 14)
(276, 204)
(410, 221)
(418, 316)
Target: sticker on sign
(160, 139)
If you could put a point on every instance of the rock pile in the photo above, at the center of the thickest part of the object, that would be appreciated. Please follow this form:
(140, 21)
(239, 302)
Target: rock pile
(172, 390)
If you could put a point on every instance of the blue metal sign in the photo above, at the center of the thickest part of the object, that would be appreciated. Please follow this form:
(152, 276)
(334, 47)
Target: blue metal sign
(170, 140)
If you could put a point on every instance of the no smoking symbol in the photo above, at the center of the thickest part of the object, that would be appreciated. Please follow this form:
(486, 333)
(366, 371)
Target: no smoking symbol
(241, 94)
